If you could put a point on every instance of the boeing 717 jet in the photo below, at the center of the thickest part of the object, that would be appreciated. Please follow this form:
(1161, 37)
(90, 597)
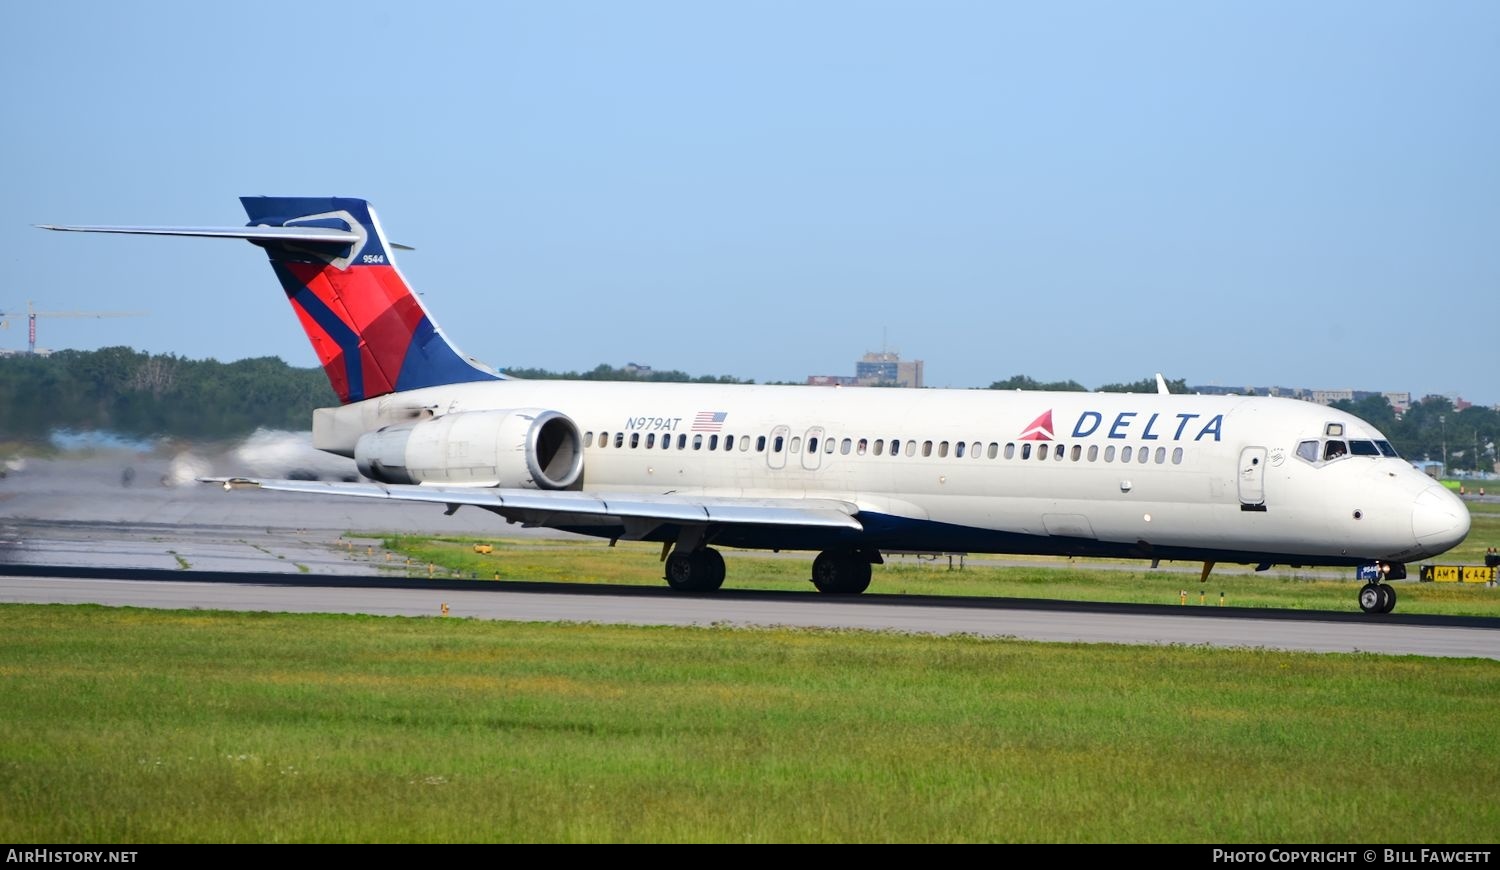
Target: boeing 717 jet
(848, 473)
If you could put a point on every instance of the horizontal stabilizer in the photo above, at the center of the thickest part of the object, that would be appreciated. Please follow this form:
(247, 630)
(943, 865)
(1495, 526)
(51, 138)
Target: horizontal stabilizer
(254, 234)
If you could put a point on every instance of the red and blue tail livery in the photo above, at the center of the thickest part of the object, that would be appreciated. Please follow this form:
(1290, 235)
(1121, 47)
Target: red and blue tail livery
(372, 334)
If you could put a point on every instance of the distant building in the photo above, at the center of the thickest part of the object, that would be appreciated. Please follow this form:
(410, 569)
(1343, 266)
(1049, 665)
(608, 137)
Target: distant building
(877, 369)
(886, 369)
(637, 370)
(1401, 402)
(1328, 397)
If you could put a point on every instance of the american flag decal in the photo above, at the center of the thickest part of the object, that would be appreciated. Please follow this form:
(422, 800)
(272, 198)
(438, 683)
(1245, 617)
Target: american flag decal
(709, 421)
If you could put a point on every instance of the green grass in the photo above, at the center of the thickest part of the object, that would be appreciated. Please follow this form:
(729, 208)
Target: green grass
(142, 726)
(1081, 580)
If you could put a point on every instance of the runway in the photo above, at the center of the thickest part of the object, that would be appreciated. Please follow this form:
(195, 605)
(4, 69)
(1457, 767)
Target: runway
(1029, 620)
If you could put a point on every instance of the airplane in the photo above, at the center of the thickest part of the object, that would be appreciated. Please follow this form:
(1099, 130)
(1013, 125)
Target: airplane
(848, 473)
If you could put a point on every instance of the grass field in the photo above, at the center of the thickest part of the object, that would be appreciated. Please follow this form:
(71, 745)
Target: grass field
(140, 726)
(1083, 580)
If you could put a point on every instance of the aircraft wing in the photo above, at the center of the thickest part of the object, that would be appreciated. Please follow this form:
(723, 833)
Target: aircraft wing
(634, 511)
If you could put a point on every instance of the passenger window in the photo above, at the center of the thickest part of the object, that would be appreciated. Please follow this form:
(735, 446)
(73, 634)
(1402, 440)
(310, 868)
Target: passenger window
(1126, 453)
(1026, 450)
(926, 448)
(812, 445)
(713, 442)
(603, 439)
(1308, 450)
(993, 450)
(1010, 450)
(958, 450)
(1363, 448)
(619, 439)
(845, 446)
(879, 445)
(635, 440)
(666, 442)
(650, 440)
(1059, 453)
(975, 449)
(1144, 455)
(728, 442)
(588, 439)
(942, 448)
(745, 444)
(1077, 452)
(1177, 456)
(895, 446)
(864, 444)
(779, 442)
(697, 442)
(911, 448)
(1041, 451)
(760, 444)
(682, 441)
(797, 443)
(1334, 450)
(1161, 455)
(1109, 453)
(829, 444)
(1093, 452)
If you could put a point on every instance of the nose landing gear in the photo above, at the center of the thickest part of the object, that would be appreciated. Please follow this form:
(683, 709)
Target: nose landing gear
(1377, 598)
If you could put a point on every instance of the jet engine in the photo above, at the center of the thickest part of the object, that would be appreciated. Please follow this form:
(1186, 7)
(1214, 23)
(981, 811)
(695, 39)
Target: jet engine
(526, 448)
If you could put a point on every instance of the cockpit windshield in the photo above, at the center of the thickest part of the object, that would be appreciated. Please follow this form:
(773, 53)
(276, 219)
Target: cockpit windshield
(1327, 450)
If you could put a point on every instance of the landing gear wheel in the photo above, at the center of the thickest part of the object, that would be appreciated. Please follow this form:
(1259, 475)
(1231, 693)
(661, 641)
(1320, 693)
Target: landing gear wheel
(1372, 599)
(698, 571)
(1388, 596)
(840, 573)
(713, 565)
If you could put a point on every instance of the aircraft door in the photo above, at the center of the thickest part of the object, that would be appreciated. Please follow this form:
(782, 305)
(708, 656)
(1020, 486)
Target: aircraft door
(776, 447)
(1253, 477)
(812, 452)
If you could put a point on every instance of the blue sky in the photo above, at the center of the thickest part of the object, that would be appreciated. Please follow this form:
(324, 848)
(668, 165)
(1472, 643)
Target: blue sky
(1237, 193)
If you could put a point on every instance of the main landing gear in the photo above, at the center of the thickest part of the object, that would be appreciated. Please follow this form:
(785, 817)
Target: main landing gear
(1377, 598)
(695, 570)
(845, 572)
(835, 572)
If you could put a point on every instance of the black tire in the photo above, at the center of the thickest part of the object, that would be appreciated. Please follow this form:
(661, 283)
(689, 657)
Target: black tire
(1371, 599)
(680, 572)
(840, 573)
(713, 570)
(1390, 598)
(700, 571)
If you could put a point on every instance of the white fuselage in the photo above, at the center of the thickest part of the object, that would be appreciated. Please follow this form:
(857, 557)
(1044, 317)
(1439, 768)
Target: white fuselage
(1154, 476)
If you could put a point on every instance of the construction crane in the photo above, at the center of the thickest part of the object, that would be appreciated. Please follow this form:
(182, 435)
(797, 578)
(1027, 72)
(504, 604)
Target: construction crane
(32, 314)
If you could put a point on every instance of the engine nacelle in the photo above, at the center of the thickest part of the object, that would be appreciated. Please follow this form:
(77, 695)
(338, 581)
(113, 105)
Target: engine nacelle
(526, 448)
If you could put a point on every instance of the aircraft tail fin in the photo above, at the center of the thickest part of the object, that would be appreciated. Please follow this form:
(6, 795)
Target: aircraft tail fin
(371, 333)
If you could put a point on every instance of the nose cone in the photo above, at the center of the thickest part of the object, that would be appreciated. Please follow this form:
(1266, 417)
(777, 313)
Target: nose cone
(1439, 519)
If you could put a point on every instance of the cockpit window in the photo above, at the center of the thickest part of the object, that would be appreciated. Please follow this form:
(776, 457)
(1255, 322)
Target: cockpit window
(1363, 448)
(1308, 450)
(1333, 450)
(1386, 449)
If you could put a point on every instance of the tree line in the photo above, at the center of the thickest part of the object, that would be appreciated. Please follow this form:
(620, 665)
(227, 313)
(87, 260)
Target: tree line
(142, 395)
